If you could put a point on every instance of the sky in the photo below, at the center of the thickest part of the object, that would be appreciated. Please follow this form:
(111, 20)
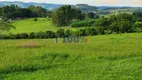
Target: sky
(90, 2)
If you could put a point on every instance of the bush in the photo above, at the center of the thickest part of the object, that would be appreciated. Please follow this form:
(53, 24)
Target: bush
(97, 17)
(92, 31)
(138, 26)
(83, 23)
(68, 33)
(32, 35)
(50, 34)
(82, 32)
(18, 36)
(22, 36)
(60, 33)
(5, 37)
(35, 19)
(41, 35)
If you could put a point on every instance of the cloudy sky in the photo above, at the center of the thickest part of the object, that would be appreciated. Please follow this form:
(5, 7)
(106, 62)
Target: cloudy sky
(90, 2)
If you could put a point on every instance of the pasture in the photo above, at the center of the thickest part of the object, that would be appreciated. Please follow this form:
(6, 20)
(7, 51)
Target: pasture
(109, 57)
(42, 24)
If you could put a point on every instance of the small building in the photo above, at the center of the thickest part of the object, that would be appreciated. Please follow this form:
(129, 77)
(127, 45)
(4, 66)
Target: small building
(0, 19)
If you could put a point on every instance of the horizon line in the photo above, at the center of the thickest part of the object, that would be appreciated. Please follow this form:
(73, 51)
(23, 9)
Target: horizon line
(76, 4)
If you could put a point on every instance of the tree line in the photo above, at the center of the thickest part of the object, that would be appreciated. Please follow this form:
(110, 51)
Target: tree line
(14, 12)
(66, 14)
(88, 31)
(120, 23)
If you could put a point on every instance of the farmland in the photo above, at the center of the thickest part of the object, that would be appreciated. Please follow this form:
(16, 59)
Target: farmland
(70, 43)
(115, 56)
(29, 25)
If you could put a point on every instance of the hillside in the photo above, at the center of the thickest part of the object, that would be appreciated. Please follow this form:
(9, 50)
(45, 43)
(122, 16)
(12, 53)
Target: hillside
(83, 7)
(29, 25)
(25, 5)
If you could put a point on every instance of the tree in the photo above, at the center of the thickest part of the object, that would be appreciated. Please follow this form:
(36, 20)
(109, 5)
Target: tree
(32, 35)
(50, 34)
(5, 27)
(38, 11)
(137, 16)
(91, 15)
(0, 12)
(125, 17)
(78, 14)
(102, 22)
(121, 26)
(96, 17)
(21, 13)
(54, 18)
(138, 26)
(49, 14)
(7, 11)
(68, 33)
(65, 14)
(60, 33)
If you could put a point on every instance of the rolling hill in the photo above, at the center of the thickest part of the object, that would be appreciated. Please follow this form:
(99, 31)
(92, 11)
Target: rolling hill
(29, 25)
(25, 5)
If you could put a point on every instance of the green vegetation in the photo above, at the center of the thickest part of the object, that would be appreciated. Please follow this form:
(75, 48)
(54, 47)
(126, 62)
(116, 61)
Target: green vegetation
(83, 23)
(65, 14)
(86, 7)
(106, 57)
(29, 25)
(5, 27)
(115, 11)
(35, 53)
(14, 12)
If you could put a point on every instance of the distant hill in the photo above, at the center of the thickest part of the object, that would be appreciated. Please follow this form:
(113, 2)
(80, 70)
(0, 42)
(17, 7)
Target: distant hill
(25, 5)
(82, 7)
(86, 7)
(116, 7)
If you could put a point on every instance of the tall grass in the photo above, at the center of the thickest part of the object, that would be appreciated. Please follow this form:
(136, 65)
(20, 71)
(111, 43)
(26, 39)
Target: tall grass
(116, 56)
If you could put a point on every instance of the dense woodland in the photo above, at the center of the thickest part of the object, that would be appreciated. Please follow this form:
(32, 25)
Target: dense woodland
(14, 12)
(67, 15)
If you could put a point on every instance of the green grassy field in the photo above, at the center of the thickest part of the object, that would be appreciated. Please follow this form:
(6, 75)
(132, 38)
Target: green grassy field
(109, 57)
(29, 25)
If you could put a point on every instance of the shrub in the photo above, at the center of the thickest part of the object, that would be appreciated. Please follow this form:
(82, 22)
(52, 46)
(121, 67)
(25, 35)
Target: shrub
(83, 23)
(35, 19)
(23, 36)
(138, 26)
(87, 31)
(94, 31)
(82, 32)
(50, 34)
(41, 35)
(60, 33)
(68, 33)
(32, 35)
(18, 36)
(5, 37)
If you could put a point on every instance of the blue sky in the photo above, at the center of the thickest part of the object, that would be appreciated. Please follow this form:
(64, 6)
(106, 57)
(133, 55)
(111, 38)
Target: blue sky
(90, 2)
